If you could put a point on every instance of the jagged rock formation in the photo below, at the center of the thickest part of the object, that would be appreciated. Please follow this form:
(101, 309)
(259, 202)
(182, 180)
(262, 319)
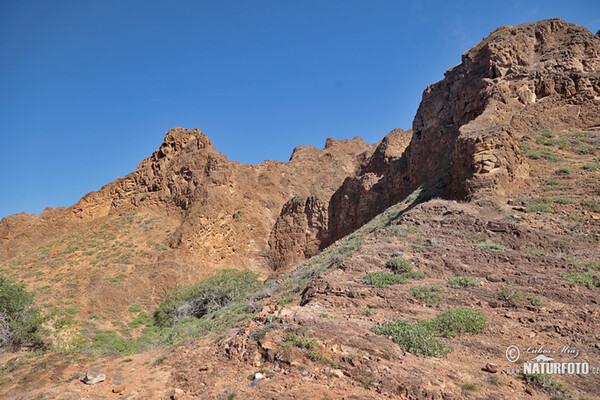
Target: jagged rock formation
(465, 134)
(225, 210)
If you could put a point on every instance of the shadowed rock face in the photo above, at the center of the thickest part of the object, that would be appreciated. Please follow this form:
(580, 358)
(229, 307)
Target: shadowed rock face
(463, 143)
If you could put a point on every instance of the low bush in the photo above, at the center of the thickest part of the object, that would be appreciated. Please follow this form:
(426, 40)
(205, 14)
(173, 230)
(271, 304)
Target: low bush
(586, 278)
(416, 338)
(460, 282)
(399, 264)
(514, 297)
(421, 338)
(428, 293)
(383, 279)
(216, 292)
(490, 246)
(20, 320)
(458, 320)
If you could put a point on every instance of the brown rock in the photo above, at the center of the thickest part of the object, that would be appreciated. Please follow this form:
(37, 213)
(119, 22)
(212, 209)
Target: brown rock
(490, 367)
(119, 388)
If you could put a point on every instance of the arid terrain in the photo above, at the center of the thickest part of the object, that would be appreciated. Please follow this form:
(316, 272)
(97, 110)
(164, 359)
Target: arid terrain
(398, 270)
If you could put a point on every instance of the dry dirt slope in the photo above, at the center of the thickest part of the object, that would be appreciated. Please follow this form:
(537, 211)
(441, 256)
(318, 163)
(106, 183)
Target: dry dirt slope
(511, 132)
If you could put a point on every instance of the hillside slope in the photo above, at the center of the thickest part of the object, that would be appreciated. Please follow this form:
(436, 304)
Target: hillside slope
(490, 203)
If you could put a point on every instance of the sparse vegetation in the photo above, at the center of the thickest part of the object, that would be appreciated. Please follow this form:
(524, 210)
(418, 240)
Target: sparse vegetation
(564, 200)
(416, 338)
(20, 320)
(383, 279)
(545, 154)
(212, 294)
(563, 171)
(399, 264)
(428, 293)
(420, 338)
(490, 246)
(259, 334)
(590, 279)
(514, 297)
(462, 282)
(546, 383)
(368, 311)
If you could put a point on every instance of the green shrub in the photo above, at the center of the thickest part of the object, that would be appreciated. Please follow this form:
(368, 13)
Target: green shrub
(416, 275)
(20, 320)
(135, 308)
(546, 155)
(539, 207)
(584, 149)
(533, 250)
(368, 311)
(563, 171)
(383, 279)
(545, 382)
(462, 282)
(490, 246)
(142, 319)
(399, 264)
(416, 338)
(428, 293)
(420, 338)
(458, 320)
(259, 334)
(590, 167)
(216, 292)
(514, 297)
(586, 278)
(553, 182)
(564, 200)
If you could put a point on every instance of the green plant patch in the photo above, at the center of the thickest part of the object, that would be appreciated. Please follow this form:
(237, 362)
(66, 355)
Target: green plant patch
(399, 264)
(490, 246)
(383, 279)
(428, 293)
(460, 282)
(590, 279)
(514, 297)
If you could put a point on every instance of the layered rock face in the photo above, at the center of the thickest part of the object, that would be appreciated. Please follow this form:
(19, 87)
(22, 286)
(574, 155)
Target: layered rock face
(520, 79)
(225, 210)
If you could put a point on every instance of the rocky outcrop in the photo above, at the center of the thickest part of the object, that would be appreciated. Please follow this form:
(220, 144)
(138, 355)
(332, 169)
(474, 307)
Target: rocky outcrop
(465, 133)
(225, 210)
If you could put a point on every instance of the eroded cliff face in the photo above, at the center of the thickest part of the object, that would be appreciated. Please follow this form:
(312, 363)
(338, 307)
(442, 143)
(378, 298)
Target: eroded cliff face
(465, 135)
(224, 210)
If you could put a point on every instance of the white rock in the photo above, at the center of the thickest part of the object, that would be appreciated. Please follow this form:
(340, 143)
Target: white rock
(258, 376)
(92, 377)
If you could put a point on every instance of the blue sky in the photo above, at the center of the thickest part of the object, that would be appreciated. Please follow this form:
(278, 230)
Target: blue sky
(88, 88)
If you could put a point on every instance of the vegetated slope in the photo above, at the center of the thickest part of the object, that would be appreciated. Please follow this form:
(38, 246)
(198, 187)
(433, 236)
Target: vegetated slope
(512, 133)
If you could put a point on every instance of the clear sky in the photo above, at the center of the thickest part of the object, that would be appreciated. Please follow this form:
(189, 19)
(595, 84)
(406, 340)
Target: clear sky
(88, 88)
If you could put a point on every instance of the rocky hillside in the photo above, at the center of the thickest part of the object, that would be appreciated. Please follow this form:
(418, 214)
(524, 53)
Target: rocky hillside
(397, 270)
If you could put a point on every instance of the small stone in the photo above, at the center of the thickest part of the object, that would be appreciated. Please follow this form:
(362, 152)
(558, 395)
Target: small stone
(177, 394)
(337, 373)
(489, 367)
(258, 376)
(118, 389)
(93, 377)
